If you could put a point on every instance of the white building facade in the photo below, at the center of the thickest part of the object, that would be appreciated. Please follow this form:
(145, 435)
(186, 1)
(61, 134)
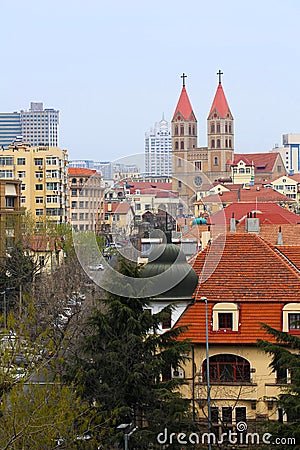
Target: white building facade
(290, 152)
(39, 126)
(158, 150)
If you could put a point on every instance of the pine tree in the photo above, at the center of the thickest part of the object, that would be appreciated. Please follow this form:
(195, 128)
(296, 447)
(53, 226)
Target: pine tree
(285, 356)
(124, 368)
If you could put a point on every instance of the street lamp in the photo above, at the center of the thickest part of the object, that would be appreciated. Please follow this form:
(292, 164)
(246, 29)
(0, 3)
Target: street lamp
(123, 426)
(204, 299)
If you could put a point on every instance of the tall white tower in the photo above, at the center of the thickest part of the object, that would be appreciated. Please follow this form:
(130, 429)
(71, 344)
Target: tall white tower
(158, 150)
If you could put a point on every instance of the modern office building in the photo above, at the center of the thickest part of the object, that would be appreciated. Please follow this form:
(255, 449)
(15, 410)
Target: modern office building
(290, 152)
(158, 150)
(10, 128)
(38, 126)
(43, 174)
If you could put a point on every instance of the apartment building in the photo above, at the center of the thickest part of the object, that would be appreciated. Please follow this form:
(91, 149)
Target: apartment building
(43, 174)
(85, 193)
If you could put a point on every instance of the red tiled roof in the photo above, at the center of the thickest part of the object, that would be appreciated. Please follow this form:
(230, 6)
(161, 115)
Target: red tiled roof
(269, 232)
(249, 273)
(243, 158)
(292, 252)
(263, 162)
(248, 195)
(117, 208)
(77, 171)
(41, 243)
(144, 186)
(220, 103)
(267, 212)
(184, 105)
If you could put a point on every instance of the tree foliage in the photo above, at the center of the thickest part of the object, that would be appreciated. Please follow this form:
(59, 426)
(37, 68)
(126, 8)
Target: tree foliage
(285, 356)
(123, 366)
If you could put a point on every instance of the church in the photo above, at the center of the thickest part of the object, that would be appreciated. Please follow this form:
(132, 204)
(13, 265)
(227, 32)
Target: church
(190, 161)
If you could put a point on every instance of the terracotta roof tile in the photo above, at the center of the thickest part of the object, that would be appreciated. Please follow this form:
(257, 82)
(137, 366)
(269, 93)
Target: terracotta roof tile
(249, 273)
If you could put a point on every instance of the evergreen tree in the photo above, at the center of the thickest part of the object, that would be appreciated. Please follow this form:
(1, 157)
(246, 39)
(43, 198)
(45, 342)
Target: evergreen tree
(124, 367)
(285, 356)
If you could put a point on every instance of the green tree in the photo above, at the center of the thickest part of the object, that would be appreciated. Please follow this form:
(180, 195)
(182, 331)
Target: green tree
(285, 356)
(123, 366)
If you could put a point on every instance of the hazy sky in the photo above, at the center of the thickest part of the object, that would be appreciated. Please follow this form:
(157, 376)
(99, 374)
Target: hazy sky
(113, 67)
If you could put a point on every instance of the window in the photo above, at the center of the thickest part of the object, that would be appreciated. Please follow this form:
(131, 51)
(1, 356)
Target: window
(42, 261)
(279, 169)
(179, 184)
(218, 143)
(74, 216)
(179, 162)
(181, 130)
(181, 145)
(294, 321)
(176, 145)
(21, 161)
(73, 181)
(225, 316)
(81, 216)
(74, 192)
(227, 367)
(226, 415)
(212, 143)
(6, 174)
(23, 187)
(198, 165)
(241, 170)
(81, 205)
(137, 206)
(240, 414)
(216, 161)
(291, 318)
(38, 174)
(212, 128)
(147, 206)
(21, 174)
(225, 321)
(6, 161)
(167, 321)
(39, 200)
(10, 202)
(74, 205)
(218, 127)
(247, 169)
(176, 130)
(38, 161)
(23, 199)
(39, 212)
(52, 186)
(214, 414)
(38, 187)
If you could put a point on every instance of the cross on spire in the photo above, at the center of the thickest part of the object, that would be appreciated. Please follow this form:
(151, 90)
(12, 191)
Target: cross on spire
(183, 76)
(220, 75)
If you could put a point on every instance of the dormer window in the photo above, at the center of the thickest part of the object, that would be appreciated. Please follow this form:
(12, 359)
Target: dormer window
(291, 318)
(225, 317)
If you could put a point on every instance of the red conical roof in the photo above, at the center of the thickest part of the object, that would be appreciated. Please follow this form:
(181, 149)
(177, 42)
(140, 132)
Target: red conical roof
(184, 105)
(220, 103)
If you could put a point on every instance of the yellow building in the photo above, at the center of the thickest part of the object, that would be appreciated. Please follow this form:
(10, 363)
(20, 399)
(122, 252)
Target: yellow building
(289, 186)
(43, 174)
(10, 213)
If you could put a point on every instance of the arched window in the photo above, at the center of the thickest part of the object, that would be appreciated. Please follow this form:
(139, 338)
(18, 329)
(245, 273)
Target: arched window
(229, 143)
(229, 127)
(73, 180)
(212, 128)
(190, 130)
(218, 127)
(226, 143)
(241, 170)
(226, 128)
(216, 161)
(218, 143)
(212, 143)
(179, 160)
(176, 130)
(80, 181)
(176, 145)
(181, 130)
(194, 130)
(182, 145)
(227, 367)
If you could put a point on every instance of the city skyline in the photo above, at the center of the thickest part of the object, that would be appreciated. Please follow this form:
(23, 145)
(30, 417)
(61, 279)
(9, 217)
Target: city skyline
(112, 70)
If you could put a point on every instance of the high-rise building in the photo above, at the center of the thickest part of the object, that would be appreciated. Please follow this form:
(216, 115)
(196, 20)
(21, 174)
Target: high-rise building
(290, 152)
(38, 126)
(43, 174)
(10, 128)
(158, 150)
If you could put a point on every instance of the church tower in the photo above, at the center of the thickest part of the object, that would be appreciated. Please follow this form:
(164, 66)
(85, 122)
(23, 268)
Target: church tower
(184, 140)
(220, 136)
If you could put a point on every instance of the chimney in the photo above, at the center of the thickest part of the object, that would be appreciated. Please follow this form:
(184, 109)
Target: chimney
(232, 224)
(279, 237)
(252, 223)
